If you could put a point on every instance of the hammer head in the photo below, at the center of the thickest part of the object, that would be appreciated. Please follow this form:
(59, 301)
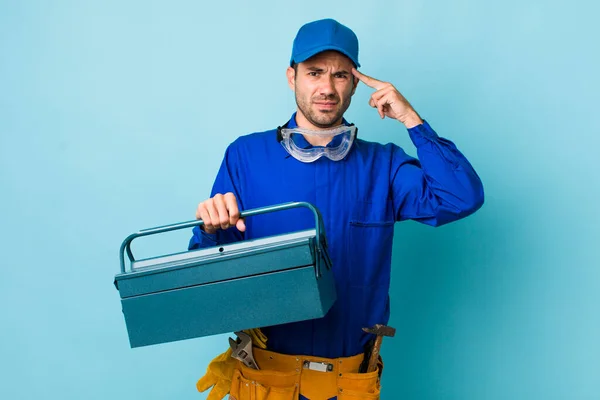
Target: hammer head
(381, 330)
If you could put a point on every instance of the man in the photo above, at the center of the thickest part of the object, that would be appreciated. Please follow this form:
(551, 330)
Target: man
(361, 188)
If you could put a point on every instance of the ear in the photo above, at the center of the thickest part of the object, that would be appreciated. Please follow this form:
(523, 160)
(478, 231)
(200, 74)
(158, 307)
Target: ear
(291, 76)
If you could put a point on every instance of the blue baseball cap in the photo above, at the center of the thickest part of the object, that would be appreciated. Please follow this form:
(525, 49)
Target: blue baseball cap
(324, 34)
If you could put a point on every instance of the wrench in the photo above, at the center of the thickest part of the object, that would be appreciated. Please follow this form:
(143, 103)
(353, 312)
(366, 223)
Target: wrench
(242, 349)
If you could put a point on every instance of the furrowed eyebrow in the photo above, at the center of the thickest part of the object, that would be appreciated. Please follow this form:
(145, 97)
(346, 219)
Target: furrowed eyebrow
(317, 69)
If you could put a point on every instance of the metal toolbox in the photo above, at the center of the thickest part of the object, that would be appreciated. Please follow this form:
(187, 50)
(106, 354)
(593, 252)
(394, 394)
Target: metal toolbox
(248, 284)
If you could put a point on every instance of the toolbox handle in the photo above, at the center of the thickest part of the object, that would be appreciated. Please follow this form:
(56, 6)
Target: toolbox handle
(320, 246)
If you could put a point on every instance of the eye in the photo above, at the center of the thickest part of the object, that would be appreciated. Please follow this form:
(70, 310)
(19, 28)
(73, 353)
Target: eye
(313, 73)
(341, 76)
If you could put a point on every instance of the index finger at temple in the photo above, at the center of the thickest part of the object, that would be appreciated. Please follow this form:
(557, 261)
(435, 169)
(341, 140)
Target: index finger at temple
(367, 80)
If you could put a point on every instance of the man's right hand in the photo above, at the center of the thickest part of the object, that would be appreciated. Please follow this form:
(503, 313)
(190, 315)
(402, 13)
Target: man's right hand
(220, 212)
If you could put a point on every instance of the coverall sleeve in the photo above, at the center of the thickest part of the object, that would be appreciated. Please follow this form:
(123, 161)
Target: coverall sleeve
(438, 188)
(227, 180)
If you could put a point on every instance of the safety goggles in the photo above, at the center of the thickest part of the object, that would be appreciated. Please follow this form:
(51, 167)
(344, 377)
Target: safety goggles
(294, 141)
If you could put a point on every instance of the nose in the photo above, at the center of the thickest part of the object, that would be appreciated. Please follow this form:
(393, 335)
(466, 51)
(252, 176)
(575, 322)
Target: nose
(326, 87)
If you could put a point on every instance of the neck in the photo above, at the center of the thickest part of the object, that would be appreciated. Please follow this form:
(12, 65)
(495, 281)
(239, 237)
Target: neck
(303, 122)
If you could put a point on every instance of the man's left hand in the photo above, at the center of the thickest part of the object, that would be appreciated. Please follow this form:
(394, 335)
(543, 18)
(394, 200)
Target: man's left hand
(389, 102)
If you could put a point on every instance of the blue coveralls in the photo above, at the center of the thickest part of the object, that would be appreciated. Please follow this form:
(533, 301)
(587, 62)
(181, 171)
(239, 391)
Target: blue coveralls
(360, 198)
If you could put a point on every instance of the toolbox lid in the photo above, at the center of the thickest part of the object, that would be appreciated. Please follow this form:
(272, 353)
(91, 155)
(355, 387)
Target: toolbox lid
(218, 264)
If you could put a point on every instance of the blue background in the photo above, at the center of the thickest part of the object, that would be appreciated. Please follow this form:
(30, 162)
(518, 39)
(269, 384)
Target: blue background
(114, 117)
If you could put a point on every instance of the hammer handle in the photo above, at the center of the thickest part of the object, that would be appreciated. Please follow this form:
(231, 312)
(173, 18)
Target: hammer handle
(375, 354)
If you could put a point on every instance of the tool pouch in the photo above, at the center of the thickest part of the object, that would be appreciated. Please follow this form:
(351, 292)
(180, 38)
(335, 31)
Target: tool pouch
(277, 381)
(251, 384)
(354, 386)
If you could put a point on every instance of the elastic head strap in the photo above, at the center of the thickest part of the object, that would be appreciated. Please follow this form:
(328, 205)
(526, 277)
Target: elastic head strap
(280, 136)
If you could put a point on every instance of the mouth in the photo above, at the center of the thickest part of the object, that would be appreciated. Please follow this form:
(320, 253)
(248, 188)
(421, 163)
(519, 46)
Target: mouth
(325, 105)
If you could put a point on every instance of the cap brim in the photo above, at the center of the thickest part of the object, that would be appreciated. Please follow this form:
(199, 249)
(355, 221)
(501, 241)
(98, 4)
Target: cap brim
(313, 52)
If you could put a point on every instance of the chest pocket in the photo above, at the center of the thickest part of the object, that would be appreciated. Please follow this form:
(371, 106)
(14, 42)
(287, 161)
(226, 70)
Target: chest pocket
(365, 213)
(370, 234)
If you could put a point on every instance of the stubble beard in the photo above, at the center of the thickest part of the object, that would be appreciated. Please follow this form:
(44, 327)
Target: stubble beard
(322, 119)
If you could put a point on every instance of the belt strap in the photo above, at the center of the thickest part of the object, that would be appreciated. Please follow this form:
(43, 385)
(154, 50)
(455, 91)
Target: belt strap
(270, 360)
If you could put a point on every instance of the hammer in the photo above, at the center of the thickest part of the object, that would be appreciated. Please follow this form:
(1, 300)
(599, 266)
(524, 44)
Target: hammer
(380, 331)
